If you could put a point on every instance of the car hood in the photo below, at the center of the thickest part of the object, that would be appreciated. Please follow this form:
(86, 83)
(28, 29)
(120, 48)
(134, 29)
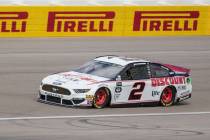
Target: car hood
(72, 79)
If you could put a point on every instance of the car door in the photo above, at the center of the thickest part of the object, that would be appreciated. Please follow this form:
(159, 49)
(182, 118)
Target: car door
(133, 84)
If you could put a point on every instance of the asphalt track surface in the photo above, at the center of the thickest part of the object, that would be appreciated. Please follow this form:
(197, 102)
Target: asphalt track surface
(24, 62)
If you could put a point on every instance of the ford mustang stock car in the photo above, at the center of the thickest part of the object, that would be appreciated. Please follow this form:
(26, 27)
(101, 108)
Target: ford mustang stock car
(109, 80)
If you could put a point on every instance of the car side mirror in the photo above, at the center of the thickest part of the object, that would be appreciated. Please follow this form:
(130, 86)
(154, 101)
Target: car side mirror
(118, 78)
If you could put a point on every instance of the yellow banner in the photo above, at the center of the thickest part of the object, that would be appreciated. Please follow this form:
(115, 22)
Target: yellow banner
(64, 21)
(165, 20)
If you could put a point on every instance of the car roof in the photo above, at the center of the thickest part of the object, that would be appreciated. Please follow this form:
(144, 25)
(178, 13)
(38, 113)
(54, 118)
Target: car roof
(120, 60)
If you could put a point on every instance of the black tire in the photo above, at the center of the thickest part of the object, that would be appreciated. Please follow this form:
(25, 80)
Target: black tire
(101, 98)
(167, 97)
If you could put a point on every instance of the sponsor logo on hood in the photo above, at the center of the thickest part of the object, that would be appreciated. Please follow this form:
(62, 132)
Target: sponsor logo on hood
(77, 77)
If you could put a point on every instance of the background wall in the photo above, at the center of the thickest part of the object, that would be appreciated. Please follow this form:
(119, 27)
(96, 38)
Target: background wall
(64, 21)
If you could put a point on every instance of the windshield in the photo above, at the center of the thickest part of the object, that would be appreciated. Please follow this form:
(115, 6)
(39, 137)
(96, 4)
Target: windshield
(100, 68)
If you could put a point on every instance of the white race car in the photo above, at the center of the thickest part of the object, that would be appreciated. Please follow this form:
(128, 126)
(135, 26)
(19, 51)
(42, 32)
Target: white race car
(109, 80)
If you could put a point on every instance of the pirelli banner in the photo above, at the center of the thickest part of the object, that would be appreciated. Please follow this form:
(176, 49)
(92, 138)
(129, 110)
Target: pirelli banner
(65, 21)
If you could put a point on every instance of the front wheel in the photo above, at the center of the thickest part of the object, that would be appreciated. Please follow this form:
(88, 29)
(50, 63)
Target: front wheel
(167, 98)
(101, 98)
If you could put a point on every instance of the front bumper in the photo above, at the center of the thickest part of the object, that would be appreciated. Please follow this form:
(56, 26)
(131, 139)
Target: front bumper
(57, 99)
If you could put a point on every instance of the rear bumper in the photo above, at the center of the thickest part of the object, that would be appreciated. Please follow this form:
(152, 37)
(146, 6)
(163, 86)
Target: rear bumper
(182, 98)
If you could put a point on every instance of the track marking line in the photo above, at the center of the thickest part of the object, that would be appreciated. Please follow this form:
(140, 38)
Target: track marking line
(104, 116)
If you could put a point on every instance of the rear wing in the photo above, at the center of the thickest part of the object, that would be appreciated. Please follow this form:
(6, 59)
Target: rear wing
(178, 70)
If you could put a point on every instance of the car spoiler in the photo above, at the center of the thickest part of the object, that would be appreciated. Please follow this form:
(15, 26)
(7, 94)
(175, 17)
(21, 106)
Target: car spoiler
(178, 70)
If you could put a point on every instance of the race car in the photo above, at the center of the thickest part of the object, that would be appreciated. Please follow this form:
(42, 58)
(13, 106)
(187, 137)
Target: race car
(110, 80)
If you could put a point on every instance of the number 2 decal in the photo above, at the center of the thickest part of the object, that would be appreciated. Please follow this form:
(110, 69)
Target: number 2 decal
(137, 88)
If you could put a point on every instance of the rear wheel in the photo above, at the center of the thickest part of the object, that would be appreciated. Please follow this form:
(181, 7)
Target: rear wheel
(101, 98)
(167, 97)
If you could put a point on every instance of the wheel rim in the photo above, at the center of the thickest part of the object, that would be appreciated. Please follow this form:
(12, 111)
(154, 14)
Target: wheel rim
(100, 97)
(167, 95)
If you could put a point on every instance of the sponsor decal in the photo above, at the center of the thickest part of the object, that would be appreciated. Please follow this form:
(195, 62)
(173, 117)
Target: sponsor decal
(118, 83)
(70, 77)
(116, 95)
(118, 89)
(154, 93)
(57, 83)
(180, 88)
(184, 93)
(74, 77)
(73, 21)
(89, 102)
(89, 97)
(54, 94)
(87, 79)
(177, 21)
(167, 81)
(13, 21)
